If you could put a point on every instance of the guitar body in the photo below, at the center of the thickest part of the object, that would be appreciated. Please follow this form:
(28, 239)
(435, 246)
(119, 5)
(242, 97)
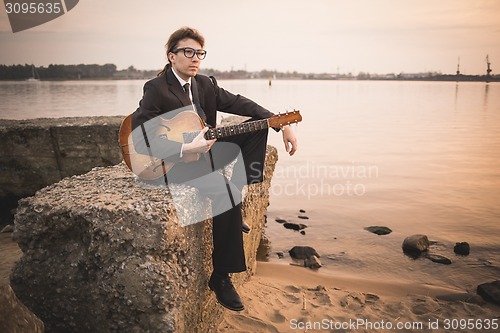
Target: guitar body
(149, 167)
(183, 128)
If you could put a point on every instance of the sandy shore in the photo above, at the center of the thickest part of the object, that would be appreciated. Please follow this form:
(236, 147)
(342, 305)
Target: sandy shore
(284, 298)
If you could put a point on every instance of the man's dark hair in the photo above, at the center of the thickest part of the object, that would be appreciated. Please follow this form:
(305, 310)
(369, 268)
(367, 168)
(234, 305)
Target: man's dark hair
(181, 34)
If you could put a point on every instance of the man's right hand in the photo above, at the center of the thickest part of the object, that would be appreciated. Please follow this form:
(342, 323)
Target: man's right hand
(199, 144)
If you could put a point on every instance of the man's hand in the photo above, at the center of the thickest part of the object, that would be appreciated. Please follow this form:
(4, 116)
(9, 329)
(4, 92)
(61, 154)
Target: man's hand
(290, 140)
(199, 144)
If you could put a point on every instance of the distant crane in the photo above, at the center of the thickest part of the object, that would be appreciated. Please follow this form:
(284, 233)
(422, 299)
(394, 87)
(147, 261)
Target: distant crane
(488, 68)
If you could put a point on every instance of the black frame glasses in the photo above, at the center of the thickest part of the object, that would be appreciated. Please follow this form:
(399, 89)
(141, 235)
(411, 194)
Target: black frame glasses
(189, 52)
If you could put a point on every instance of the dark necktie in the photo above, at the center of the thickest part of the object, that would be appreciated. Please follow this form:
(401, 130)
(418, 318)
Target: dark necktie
(186, 90)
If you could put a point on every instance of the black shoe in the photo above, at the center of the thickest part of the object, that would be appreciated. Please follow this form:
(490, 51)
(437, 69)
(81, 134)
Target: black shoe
(225, 292)
(245, 228)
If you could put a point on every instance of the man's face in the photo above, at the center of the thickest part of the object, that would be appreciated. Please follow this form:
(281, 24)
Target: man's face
(185, 67)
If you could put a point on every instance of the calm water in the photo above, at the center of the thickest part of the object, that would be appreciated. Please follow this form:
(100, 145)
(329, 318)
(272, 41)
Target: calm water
(418, 157)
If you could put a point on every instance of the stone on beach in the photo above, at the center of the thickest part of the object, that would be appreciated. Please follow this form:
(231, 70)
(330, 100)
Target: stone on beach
(312, 262)
(490, 291)
(438, 259)
(462, 248)
(295, 226)
(379, 230)
(303, 252)
(415, 244)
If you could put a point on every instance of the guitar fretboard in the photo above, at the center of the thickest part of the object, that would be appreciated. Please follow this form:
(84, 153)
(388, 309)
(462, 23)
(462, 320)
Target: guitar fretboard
(221, 132)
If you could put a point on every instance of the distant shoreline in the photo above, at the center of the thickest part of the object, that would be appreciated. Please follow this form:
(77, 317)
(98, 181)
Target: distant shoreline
(110, 72)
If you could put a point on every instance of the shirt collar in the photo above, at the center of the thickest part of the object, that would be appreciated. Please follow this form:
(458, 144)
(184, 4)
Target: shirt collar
(181, 81)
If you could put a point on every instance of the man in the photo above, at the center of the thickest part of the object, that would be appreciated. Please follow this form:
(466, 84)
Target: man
(179, 86)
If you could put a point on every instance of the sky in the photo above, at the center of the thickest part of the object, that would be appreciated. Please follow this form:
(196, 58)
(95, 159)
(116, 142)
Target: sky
(314, 36)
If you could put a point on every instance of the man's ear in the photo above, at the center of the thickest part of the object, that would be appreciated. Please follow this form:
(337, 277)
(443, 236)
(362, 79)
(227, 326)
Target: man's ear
(170, 56)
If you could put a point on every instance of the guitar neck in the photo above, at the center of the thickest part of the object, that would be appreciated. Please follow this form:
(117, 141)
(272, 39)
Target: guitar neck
(222, 132)
(250, 126)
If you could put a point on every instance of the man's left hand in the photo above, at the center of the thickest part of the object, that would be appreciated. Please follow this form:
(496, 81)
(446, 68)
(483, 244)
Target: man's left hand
(290, 140)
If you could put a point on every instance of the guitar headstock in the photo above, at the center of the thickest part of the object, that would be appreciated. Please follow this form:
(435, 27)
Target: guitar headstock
(283, 119)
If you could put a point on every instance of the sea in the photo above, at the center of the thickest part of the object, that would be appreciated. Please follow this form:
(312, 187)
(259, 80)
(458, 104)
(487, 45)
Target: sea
(418, 157)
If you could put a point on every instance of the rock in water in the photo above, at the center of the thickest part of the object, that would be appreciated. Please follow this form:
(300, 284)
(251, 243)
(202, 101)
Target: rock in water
(416, 244)
(438, 259)
(294, 226)
(462, 248)
(490, 291)
(378, 230)
(303, 252)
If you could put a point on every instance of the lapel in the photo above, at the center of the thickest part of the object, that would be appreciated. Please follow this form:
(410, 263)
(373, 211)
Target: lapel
(196, 99)
(200, 92)
(176, 89)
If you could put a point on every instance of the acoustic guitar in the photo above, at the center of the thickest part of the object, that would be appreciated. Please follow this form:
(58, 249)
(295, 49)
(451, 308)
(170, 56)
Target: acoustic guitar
(183, 128)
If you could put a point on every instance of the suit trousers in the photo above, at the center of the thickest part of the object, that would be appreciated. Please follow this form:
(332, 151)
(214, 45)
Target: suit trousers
(249, 149)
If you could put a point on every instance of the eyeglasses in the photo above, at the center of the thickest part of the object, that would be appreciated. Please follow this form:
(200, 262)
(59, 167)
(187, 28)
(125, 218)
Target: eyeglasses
(189, 52)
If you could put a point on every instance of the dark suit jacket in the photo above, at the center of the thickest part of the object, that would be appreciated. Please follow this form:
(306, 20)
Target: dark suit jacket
(165, 94)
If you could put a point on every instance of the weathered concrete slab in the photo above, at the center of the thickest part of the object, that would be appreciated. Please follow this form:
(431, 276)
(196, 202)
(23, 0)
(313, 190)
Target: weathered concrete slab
(104, 253)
